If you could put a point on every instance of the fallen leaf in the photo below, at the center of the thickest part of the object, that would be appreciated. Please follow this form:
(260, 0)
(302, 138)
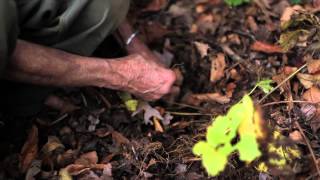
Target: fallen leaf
(94, 121)
(52, 144)
(252, 24)
(308, 111)
(218, 66)
(315, 122)
(265, 47)
(306, 80)
(158, 127)
(149, 112)
(102, 132)
(179, 80)
(156, 5)
(181, 168)
(314, 66)
(64, 175)
(235, 75)
(119, 138)
(76, 169)
(29, 150)
(202, 48)
(153, 31)
(60, 104)
(312, 95)
(89, 175)
(35, 168)
(296, 137)
(230, 89)
(177, 10)
(88, 158)
(66, 158)
(197, 99)
(288, 12)
(286, 87)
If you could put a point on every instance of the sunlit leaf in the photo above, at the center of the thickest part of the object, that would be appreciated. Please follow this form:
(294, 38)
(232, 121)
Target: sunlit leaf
(131, 104)
(220, 135)
(265, 85)
(236, 2)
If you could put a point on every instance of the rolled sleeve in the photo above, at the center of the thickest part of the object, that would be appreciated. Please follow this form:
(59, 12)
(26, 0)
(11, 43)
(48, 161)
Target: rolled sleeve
(8, 31)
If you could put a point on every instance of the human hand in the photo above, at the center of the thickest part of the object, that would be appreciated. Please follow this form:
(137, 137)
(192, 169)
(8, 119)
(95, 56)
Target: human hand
(145, 78)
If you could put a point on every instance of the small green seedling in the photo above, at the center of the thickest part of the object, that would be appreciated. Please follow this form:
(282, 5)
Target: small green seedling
(240, 120)
(130, 103)
(265, 85)
(296, 1)
(236, 2)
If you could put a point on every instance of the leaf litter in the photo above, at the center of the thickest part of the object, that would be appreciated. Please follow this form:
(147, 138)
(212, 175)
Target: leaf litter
(220, 53)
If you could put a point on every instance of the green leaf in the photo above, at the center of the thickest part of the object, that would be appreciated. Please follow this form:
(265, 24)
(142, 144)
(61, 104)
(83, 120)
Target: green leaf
(295, 1)
(248, 148)
(236, 2)
(265, 85)
(131, 104)
(224, 130)
(213, 161)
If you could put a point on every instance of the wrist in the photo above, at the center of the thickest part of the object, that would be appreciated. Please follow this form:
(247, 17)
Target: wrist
(112, 74)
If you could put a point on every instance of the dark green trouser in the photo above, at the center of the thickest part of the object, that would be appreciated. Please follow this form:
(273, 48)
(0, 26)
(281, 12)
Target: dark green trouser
(75, 26)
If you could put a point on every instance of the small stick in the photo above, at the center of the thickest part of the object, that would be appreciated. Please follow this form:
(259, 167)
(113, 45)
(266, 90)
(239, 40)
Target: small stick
(187, 114)
(309, 147)
(285, 102)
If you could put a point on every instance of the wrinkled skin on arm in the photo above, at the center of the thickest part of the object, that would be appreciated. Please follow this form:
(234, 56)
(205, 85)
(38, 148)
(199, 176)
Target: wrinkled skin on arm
(41, 65)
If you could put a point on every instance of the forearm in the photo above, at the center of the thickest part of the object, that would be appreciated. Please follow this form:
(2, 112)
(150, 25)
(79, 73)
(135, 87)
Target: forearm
(41, 65)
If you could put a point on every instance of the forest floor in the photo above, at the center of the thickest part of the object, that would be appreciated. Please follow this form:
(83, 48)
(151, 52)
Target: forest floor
(220, 53)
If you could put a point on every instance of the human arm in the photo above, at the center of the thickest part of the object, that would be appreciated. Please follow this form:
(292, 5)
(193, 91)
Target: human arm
(36, 64)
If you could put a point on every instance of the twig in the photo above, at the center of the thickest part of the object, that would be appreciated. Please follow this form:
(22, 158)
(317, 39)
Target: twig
(188, 114)
(285, 102)
(309, 147)
(284, 81)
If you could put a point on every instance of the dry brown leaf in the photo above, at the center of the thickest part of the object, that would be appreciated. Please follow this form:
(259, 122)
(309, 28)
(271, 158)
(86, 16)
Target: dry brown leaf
(252, 24)
(102, 132)
(315, 122)
(156, 5)
(308, 111)
(66, 158)
(202, 48)
(119, 138)
(179, 76)
(265, 47)
(76, 169)
(218, 66)
(312, 95)
(88, 159)
(29, 150)
(230, 89)
(314, 66)
(157, 125)
(60, 104)
(286, 87)
(235, 75)
(306, 80)
(153, 31)
(288, 12)
(52, 144)
(197, 99)
(296, 137)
